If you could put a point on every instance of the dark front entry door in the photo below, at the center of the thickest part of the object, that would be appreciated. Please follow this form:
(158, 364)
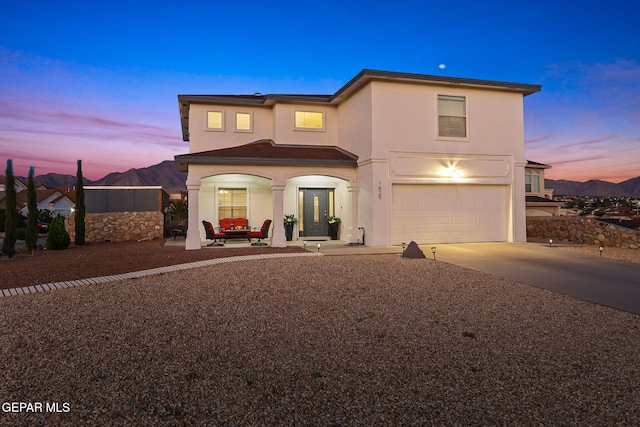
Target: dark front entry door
(315, 209)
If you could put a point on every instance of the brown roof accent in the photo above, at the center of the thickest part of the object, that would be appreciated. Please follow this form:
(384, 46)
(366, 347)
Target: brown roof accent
(267, 152)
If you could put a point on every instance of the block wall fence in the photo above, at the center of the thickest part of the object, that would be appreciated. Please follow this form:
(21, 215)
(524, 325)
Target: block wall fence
(579, 230)
(119, 226)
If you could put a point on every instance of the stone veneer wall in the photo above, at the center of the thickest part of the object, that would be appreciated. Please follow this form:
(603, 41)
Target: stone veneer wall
(119, 226)
(573, 229)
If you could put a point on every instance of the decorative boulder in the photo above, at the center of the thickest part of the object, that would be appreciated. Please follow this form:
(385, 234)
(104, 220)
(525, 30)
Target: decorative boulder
(413, 251)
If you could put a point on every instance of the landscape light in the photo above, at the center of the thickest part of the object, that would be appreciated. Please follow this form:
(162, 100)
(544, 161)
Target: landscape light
(550, 242)
(433, 251)
(601, 249)
(318, 247)
(304, 245)
(404, 245)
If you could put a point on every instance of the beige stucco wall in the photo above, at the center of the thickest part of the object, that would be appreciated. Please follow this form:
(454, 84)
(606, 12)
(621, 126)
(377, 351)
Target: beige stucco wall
(201, 139)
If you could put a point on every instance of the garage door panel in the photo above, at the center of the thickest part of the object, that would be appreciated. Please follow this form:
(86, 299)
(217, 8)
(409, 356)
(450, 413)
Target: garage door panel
(449, 213)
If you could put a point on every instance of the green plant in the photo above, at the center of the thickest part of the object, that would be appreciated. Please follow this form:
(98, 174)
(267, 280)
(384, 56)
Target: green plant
(45, 215)
(21, 233)
(31, 232)
(333, 220)
(290, 219)
(80, 208)
(9, 242)
(58, 238)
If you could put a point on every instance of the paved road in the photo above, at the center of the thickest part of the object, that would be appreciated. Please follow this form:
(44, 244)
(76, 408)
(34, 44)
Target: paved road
(592, 278)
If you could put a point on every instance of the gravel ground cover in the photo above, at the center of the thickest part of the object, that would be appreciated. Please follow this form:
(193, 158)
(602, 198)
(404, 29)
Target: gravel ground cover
(105, 259)
(349, 340)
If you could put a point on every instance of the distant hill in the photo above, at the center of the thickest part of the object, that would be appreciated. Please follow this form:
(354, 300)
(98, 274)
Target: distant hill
(164, 174)
(595, 188)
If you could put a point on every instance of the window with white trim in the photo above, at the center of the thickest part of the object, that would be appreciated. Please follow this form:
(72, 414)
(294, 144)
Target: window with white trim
(452, 116)
(532, 180)
(215, 120)
(309, 120)
(232, 203)
(244, 122)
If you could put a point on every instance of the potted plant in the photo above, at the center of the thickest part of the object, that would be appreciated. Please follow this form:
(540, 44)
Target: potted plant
(334, 226)
(289, 222)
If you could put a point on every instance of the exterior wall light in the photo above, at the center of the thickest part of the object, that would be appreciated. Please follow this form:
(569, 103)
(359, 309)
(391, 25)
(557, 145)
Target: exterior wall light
(433, 251)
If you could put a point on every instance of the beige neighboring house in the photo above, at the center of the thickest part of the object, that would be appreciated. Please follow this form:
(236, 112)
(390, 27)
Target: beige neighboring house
(397, 156)
(539, 200)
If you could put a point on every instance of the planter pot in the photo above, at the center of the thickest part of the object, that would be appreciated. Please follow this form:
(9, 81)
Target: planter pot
(333, 230)
(288, 232)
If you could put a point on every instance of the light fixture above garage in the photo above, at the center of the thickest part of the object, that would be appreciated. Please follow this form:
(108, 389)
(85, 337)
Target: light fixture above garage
(451, 172)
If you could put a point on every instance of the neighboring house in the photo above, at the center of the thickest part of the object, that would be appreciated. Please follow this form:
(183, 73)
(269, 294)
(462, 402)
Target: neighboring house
(539, 200)
(60, 201)
(401, 156)
(20, 186)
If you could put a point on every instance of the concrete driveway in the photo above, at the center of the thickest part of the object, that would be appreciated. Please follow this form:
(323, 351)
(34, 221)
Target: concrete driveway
(603, 281)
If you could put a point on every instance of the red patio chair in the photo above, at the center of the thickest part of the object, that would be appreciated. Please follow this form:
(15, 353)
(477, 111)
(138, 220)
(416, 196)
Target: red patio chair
(212, 234)
(263, 233)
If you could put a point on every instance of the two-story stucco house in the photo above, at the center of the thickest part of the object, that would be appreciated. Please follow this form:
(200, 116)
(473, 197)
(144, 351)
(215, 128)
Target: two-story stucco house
(399, 156)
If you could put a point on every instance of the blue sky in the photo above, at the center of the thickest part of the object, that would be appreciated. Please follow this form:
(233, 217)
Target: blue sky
(99, 81)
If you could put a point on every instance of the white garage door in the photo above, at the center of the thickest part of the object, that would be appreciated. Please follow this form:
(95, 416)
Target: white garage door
(449, 213)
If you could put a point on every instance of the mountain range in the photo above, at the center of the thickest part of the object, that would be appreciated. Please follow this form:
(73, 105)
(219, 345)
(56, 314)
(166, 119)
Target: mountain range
(166, 174)
(594, 188)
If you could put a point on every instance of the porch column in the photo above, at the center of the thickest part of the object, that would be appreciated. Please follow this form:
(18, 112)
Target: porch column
(193, 230)
(353, 195)
(278, 239)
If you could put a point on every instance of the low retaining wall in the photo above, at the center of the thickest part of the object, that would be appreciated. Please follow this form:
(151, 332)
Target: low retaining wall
(573, 229)
(119, 226)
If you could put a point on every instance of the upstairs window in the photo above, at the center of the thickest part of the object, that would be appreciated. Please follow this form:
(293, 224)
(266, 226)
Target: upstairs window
(452, 116)
(243, 122)
(215, 120)
(309, 120)
(532, 180)
(232, 203)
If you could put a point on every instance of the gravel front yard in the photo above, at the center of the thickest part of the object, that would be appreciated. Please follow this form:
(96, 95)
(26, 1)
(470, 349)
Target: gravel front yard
(353, 340)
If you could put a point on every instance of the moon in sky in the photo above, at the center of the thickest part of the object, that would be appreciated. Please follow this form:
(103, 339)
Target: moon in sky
(442, 66)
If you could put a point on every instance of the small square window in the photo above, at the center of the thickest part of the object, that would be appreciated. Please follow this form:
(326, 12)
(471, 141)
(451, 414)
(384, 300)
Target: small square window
(243, 122)
(215, 120)
(309, 120)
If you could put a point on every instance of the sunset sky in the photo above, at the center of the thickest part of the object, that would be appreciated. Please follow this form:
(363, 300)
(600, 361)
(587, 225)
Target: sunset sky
(99, 81)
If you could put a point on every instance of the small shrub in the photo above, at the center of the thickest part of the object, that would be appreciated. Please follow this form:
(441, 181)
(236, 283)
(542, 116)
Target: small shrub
(58, 238)
(21, 233)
